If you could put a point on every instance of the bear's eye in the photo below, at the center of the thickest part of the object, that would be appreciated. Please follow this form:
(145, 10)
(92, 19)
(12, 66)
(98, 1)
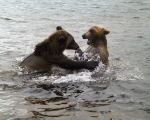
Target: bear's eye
(92, 31)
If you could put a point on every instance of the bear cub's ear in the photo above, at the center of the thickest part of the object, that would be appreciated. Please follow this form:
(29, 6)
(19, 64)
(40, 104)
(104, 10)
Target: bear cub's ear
(59, 28)
(40, 48)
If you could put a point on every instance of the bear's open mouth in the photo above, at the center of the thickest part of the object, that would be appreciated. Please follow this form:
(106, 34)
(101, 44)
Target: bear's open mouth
(91, 42)
(88, 42)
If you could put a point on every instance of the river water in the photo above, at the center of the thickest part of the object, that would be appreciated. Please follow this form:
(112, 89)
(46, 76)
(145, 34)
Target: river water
(120, 93)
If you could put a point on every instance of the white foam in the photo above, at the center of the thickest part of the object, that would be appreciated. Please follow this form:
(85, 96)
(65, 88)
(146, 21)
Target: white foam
(19, 59)
(124, 72)
(82, 76)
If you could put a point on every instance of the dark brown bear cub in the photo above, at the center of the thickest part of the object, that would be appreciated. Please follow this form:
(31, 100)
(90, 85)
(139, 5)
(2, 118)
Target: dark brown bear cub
(50, 52)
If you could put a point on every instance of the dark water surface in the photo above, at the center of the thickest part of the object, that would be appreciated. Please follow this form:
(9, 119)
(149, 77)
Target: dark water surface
(120, 93)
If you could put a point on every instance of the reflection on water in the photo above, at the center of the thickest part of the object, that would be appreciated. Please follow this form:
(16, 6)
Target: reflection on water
(119, 93)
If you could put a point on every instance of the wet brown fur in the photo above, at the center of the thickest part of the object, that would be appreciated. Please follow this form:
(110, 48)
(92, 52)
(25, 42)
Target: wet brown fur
(54, 45)
(97, 39)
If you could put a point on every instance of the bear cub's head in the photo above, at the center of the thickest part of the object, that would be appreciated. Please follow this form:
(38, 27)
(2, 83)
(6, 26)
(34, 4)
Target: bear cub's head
(56, 43)
(96, 35)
